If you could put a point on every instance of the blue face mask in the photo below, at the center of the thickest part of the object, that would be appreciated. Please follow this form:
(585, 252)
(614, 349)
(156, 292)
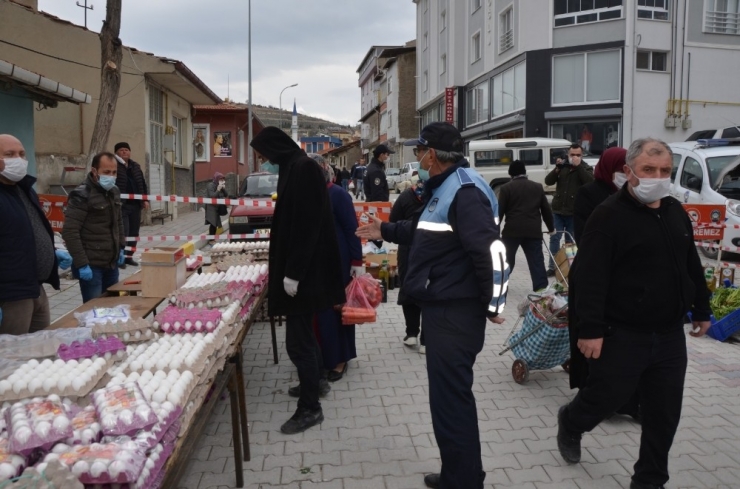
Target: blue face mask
(423, 174)
(270, 168)
(107, 181)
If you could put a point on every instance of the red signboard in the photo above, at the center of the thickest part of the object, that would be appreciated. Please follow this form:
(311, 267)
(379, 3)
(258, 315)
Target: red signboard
(706, 218)
(53, 210)
(450, 105)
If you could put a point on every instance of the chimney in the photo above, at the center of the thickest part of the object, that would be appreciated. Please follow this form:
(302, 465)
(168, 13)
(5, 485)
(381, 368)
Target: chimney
(32, 4)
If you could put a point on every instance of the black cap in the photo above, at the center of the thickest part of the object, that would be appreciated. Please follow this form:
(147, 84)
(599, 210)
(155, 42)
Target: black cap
(121, 145)
(382, 148)
(517, 168)
(439, 135)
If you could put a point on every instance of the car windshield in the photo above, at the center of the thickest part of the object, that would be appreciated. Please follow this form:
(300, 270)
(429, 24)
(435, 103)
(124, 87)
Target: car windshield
(393, 171)
(412, 166)
(717, 165)
(261, 186)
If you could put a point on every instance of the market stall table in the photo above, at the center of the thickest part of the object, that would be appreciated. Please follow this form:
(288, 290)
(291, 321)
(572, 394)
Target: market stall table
(133, 286)
(141, 307)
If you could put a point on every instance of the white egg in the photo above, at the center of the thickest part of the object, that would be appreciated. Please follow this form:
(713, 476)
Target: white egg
(115, 468)
(22, 435)
(88, 435)
(126, 417)
(49, 384)
(61, 423)
(77, 384)
(33, 362)
(18, 386)
(126, 337)
(35, 385)
(42, 429)
(80, 467)
(47, 363)
(98, 467)
(56, 450)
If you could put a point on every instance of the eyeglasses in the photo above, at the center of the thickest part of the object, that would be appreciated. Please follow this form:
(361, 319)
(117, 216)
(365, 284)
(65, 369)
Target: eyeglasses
(418, 150)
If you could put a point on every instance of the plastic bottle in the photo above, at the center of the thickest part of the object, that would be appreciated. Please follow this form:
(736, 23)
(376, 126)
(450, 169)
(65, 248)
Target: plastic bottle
(392, 279)
(383, 275)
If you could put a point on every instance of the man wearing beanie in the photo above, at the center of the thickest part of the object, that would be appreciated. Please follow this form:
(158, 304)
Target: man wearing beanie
(524, 206)
(130, 180)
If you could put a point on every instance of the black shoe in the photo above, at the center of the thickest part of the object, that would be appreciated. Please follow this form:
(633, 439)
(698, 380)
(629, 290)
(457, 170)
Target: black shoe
(642, 485)
(333, 375)
(324, 389)
(551, 272)
(431, 480)
(569, 443)
(302, 420)
(122, 266)
(130, 261)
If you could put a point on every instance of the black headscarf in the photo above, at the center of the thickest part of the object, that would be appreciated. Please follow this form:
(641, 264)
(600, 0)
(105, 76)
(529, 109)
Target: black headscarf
(281, 150)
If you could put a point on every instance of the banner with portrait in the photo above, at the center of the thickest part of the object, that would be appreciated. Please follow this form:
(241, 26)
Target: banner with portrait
(201, 141)
(222, 144)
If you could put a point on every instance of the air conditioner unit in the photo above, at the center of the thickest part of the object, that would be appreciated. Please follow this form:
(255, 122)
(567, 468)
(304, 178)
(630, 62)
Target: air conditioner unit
(686, 123)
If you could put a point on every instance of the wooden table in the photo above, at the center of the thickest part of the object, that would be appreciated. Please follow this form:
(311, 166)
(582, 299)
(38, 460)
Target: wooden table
(140, 307)
(121, 288)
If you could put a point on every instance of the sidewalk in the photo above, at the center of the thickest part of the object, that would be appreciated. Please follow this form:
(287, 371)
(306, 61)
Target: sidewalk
(69, 297)
(377, 431)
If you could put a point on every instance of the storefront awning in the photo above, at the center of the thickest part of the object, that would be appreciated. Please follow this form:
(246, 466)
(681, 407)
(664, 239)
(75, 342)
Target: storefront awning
(47, 90)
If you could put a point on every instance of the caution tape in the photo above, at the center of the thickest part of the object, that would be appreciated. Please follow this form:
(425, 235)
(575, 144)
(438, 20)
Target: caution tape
(190, 237)
(189, 200)
(713, 246)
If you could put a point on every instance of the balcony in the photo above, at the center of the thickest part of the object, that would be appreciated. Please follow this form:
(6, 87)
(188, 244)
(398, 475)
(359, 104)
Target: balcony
(506, 41)
(722, 22)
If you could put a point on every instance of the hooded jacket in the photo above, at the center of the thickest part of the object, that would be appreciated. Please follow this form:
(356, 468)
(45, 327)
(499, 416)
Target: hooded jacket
(303, 241)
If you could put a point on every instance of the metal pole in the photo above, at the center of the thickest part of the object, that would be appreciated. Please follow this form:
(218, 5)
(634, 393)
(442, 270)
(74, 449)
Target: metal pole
(281, 103)
(249, 158)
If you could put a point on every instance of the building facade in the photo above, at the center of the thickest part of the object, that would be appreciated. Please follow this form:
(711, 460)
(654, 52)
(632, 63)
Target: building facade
(597, 72)
(319, 144)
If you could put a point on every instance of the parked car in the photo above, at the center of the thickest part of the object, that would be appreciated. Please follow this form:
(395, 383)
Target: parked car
(393, 176)
(246, 219)
(725, 132)
(708, 172)
(405, 179)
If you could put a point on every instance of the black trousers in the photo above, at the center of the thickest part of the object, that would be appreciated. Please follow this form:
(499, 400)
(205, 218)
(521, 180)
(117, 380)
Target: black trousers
(654, 365)
(304, 352)
(454, 334)
(131, 214)
(412, 316)
(532, 248)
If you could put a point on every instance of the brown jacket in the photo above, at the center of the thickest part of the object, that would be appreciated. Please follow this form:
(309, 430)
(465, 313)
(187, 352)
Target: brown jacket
(93, 227)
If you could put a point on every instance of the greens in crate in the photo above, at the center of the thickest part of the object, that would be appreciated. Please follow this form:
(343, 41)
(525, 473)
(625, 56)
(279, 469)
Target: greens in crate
(724, 301)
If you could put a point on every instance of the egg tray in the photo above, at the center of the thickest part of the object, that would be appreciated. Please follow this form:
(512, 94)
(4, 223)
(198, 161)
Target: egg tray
(123, 409)
(226, 262)
(153, 467)
(120, 462)
(196, 368)
(122, 328)
(212, 296)
(62, 389)
(104, 347)
(37, 423)
(86, 426)
(11, 464)
(148, 386)
(149, 439)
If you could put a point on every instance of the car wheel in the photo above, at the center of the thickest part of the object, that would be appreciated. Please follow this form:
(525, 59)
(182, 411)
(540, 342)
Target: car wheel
(711, 253)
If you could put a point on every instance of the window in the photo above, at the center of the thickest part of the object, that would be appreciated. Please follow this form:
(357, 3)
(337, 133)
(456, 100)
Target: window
(531, 157)
(571, 12)
(509, 90)
(593, 136)
(390, 118)
(499, 157)
(476, 104)
(156, 124)
(178, 131)
(506, 22)
(476, 5)
(432, 114)
(652, 61)
(731, 132)
(443, 21)
(390, 84)
(676, 161)
(587, 78)
(475, 48)
(321, 146)
(426, 40)
(692, 176)
(653, 9)
(242, 148)
(443, 64)
(426, 81)
(722, 17)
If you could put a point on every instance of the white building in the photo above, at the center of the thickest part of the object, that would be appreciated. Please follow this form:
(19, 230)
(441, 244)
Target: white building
(601, 72)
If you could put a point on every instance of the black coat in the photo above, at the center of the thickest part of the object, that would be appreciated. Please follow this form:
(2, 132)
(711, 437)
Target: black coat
(407, 205)
(303, 241)
(122, 177)
(376, 183)
(588, 198)
(524, 205)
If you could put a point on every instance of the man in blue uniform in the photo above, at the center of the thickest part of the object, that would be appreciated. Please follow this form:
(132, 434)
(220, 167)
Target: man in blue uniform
(458, 275)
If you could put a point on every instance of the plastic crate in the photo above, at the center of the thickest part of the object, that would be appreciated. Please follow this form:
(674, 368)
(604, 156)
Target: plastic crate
(725, 327)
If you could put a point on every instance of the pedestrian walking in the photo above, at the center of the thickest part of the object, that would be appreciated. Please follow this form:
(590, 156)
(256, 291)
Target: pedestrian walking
(458, 275)
(305, 275)
(359, 176)
(130, 180)
(568, 175)
(352, 176)
(524, 206)
(93, 228)
(345, 178)
(636, 275)
(27, 256)
(216, 189)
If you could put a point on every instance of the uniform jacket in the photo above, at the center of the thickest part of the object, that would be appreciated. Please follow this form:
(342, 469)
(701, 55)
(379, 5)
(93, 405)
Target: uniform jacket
(122, 180)
(588, 198)
(568, 179)
(18, 277)
(376, 184)
(406, 206)
(303, 242)
(212, 216)
(524, 205)
(93, 227)
(455, 253)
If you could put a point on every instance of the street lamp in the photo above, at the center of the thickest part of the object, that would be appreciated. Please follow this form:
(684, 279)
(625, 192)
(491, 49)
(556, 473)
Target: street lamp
(281, 103)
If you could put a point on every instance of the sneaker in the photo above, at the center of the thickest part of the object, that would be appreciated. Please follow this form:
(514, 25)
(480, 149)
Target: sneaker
(130, 261)
(324, 389)
(409, 341)
(422, 350)
(302, 420)
(569, 443)
(431, 480)
(550, 272)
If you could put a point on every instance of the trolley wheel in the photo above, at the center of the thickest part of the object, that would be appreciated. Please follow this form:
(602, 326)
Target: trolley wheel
(566, 365)
(520, 371)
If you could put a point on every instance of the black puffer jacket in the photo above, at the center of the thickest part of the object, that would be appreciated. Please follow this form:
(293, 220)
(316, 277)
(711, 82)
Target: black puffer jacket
(139, 181)
(93, 228)
(303, 240)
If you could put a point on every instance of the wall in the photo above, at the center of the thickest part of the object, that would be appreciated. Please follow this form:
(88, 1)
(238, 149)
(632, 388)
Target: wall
(16, 118)
(695, 29)
(595, 32)
(408, 124)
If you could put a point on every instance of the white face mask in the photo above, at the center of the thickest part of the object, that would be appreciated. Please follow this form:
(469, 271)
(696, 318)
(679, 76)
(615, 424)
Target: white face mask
(620, 179)
(652, 189)
(15, 169)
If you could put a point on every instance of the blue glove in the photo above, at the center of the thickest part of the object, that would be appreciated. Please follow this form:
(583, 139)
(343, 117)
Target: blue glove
(86, 273)
(121, 258)
(65, 259)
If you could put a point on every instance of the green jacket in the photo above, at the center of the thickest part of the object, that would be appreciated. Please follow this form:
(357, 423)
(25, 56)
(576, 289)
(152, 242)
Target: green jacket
(93, 227)
(568, 181)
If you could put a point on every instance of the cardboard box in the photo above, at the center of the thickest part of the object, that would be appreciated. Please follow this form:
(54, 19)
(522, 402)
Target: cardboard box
(161, 279)
(163, 255)
(392, 259)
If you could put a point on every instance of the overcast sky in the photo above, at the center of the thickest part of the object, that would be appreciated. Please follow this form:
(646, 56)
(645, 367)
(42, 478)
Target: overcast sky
(318, 44)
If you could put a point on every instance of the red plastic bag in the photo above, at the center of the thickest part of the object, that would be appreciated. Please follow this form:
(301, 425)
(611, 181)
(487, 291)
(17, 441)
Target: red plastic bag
(363, 296)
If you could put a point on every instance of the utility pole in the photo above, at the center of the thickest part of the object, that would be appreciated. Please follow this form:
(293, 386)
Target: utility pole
(86, 9)
(111, 52)
(249, 71)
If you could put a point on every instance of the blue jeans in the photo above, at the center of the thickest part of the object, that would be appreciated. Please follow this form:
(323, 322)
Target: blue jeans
(562, 223)
(101, 280)
(345, 184)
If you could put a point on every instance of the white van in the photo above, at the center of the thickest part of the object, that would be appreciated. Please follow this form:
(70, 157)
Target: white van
(492, 157)
(707, 171)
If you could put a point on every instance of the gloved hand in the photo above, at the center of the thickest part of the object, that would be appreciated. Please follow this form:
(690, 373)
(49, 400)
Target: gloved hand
(86, 273)
(291, 286)
(357, 270)
(64, 258)
(121, 258)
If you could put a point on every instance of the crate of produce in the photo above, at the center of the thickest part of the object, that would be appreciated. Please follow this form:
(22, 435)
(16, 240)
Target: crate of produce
(725, 327)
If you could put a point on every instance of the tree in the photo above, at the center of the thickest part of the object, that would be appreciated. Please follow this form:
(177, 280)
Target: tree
(111, 53)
